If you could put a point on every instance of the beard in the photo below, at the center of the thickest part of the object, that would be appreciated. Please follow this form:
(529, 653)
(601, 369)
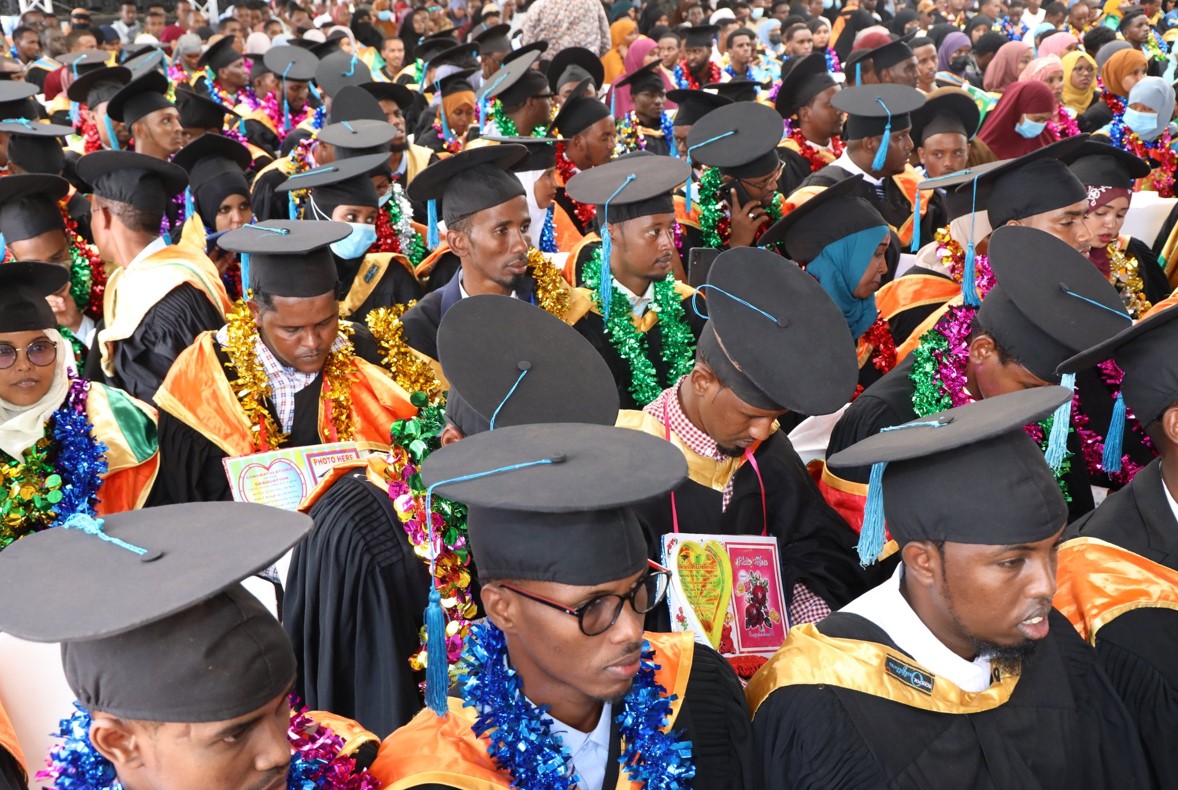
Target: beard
(1006, 660)
(401, 147)
(731, 452)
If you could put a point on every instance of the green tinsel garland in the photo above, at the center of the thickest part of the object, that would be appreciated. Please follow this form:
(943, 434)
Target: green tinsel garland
(506, 126)
(715, 224)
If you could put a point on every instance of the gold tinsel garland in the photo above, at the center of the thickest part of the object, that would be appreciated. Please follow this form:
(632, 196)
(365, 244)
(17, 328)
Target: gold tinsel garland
(1124, 275)
(252, 386)
(551, 293)
(411, 372)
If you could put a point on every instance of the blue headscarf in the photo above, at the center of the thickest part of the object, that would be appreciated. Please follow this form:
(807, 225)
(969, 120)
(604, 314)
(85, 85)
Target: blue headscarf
(841, 266)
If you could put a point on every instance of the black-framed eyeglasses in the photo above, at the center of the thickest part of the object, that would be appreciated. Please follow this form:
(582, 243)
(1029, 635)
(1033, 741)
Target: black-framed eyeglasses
(766, 182)
(598, 616)
(41, 353)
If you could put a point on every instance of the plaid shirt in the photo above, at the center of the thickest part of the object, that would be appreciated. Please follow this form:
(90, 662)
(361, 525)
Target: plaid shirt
(568, 23)
(285, 382)
(804, 605)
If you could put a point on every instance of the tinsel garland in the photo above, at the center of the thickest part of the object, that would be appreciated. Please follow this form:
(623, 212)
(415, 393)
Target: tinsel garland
(1063, 125)
(337, 387)
(506, 126)
(519, 738)
(218, 92)
(272, 107)
(585, 213)
(394, 229)
(58, 476)
(952, 257)
(832, 61)
(298, 161)
(91, 140)
(715, 221)
(79, 348)
(1155, 48)
(412, 442)
(87, 271)
(317, 762)
(231, 278)
(1006, 28)
(176, 76)
(1092, 442)
(411, 372)
(1115, 103)
(548, 232)
(550, 293)
(811, 153)
(1125, 277)
(678, 343)
(1161, 156)
(685, 79)
(883, 345)
(452, 145)
(631, 138)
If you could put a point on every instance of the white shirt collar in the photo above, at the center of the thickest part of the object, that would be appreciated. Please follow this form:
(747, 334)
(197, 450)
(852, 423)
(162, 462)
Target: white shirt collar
(886, 607)
(462, 294)
(638, 304)
(86, 330)
(589, 751)
(845, 163)
(149, 250)
(1170, 499)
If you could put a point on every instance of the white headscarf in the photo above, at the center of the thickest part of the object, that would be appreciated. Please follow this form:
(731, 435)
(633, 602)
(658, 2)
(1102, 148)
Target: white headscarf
(539, 215)
(23, 426)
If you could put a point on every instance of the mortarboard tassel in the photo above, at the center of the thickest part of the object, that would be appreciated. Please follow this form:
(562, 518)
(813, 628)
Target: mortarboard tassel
(687, 186)
(872, 535)
(969, 277)
(915, 225)
(885, 141)
(433, 239)
(73, 112)
(436, 666)
(442, 114)
(858, 74)
(1061, 422)
(1111, 460)
(245, 272)
(315, 91)
(613, 96)
(110, 132)
(285, 103)
(292, 206)
(605, 288)
(189, 209)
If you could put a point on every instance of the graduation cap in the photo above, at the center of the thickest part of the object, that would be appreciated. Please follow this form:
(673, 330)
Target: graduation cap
(290, 258)
(645, 80)
(1145, 352)
(14, 92)
(140, 97)
(168, 634)
(97, 86)
(739, 90)
(257, 65)
(740, 139)
(28, 205)
(947, 110)
(515, 82)
(198, 111)
(962, 202)
(458, 82)
(539, 47)
(434, 45)
(390, 91)
(808, 78)
(344, 182)
(36, 152)
(887, 55)
(40, 129)
(340, 69)
(139, 50)
(468, 182)
(152, 60)
(924, 474)
(461, 55)
(23, 288)
(1032, 184)
(1098, 164)
(322, 49)
(143, 181)
(699, 36)
(578, 114)
(79, 63)
(219, 55)
(493, 40)
(574, 64)
(216, 168)
(541, 152)
(875, 110)
(353, 103)
(832, 214)
(511, 363)
(290, 63)
(773, 335)
(359, 134)
(693, 104)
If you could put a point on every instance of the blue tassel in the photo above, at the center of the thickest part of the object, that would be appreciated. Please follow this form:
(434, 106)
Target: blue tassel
(245, 272)
(315, 91)
(613, 96)
(433, 239)
(189, 209)
(687, 186)
(969, 279)
(292, 206)
(285, 112)
(110, 132)
(73, 112)
(605, 289)
(1111, 460)
(1057, 443)
(437, 675)
(241, 126)
(871, 537)
(858, 74)
(881, 155)
(916, 225)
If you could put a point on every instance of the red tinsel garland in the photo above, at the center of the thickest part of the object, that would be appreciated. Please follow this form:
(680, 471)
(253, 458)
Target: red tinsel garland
(565, 167)
(879, 337)
(386, 235)
(812, 154)
(692, 83)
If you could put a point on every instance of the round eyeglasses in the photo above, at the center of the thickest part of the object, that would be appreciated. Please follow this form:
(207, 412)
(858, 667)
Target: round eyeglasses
(41, 353)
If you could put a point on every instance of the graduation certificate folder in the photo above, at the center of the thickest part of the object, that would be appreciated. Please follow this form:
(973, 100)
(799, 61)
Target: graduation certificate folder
(727, 589)
(284, 478)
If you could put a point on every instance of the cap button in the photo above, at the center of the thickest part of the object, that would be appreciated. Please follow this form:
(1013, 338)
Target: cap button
(558, 458)
(524, 365)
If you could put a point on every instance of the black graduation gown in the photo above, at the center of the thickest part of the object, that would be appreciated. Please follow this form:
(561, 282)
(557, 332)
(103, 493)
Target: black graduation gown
(396, 286)
(354, 603)
(443, 271)
(191, 468)
(904, 323)
(1137, 518)
(814, 543)
(1062, 727)
(795, 169)
(714, 718)
(1155, 286)
(267, 203)
(11, 774)
(142, 361)
(1097, 116)
(888, 402)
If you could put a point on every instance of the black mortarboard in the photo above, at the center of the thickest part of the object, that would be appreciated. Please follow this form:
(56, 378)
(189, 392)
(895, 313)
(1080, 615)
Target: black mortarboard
(645, 79)
(887, 55)
(699, 36)
(740, 139)
(139, 50)
(693, 104)
(461, 55)
(945, 110)
(95, 87)
(541, 152)
(434, 45)
(1146, 354)
(28, 205)
(1129, 15)
(962, 202)
(485, 343)
(353, 103)
(874, 109)
(344, 182)
(322, 49)
(143, 181)
(1041, 310)
(34, 153)
(470, 181)
(257, 65)
(585, 62)
(16, 101)
(81, 62)
(636, 185)
(361, 134)
(291, 63)
(198, 111)
(493, 40)
(515, 82)
(539, 47)
(738, 90)
(151, 60)
(1032, 184)
(808, 78)
(567, 498)
(219, 55)
(773, 335)
(832, 214)
(578, 114)
(289, 258)
(216, 168)
(935, 466)
(1101, 165)
(27, 128)
(458, 82)
(169, 635)
(141, 96)
(390, 91)
(340, 69)
(23, 288)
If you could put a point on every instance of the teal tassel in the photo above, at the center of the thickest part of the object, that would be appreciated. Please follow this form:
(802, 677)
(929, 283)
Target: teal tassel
(1057, 443)
(613, 95)
(871, 536)
(315, 91)
(687, 186)
(916, 225)
(605, 289)
(110, 132)
(245, 272)
(1111, 460)
(858, 74)
(189, 209)
(292, 206)
(881, 155)
(433, 239)
(969, 279)
(437, 675)
(73, 112)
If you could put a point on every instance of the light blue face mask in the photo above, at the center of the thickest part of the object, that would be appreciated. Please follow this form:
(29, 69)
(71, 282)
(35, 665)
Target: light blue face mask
(385, 198)
(384, 16)
(757, 13)
(356, 243)
(1141, 122)
(1030, 129)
